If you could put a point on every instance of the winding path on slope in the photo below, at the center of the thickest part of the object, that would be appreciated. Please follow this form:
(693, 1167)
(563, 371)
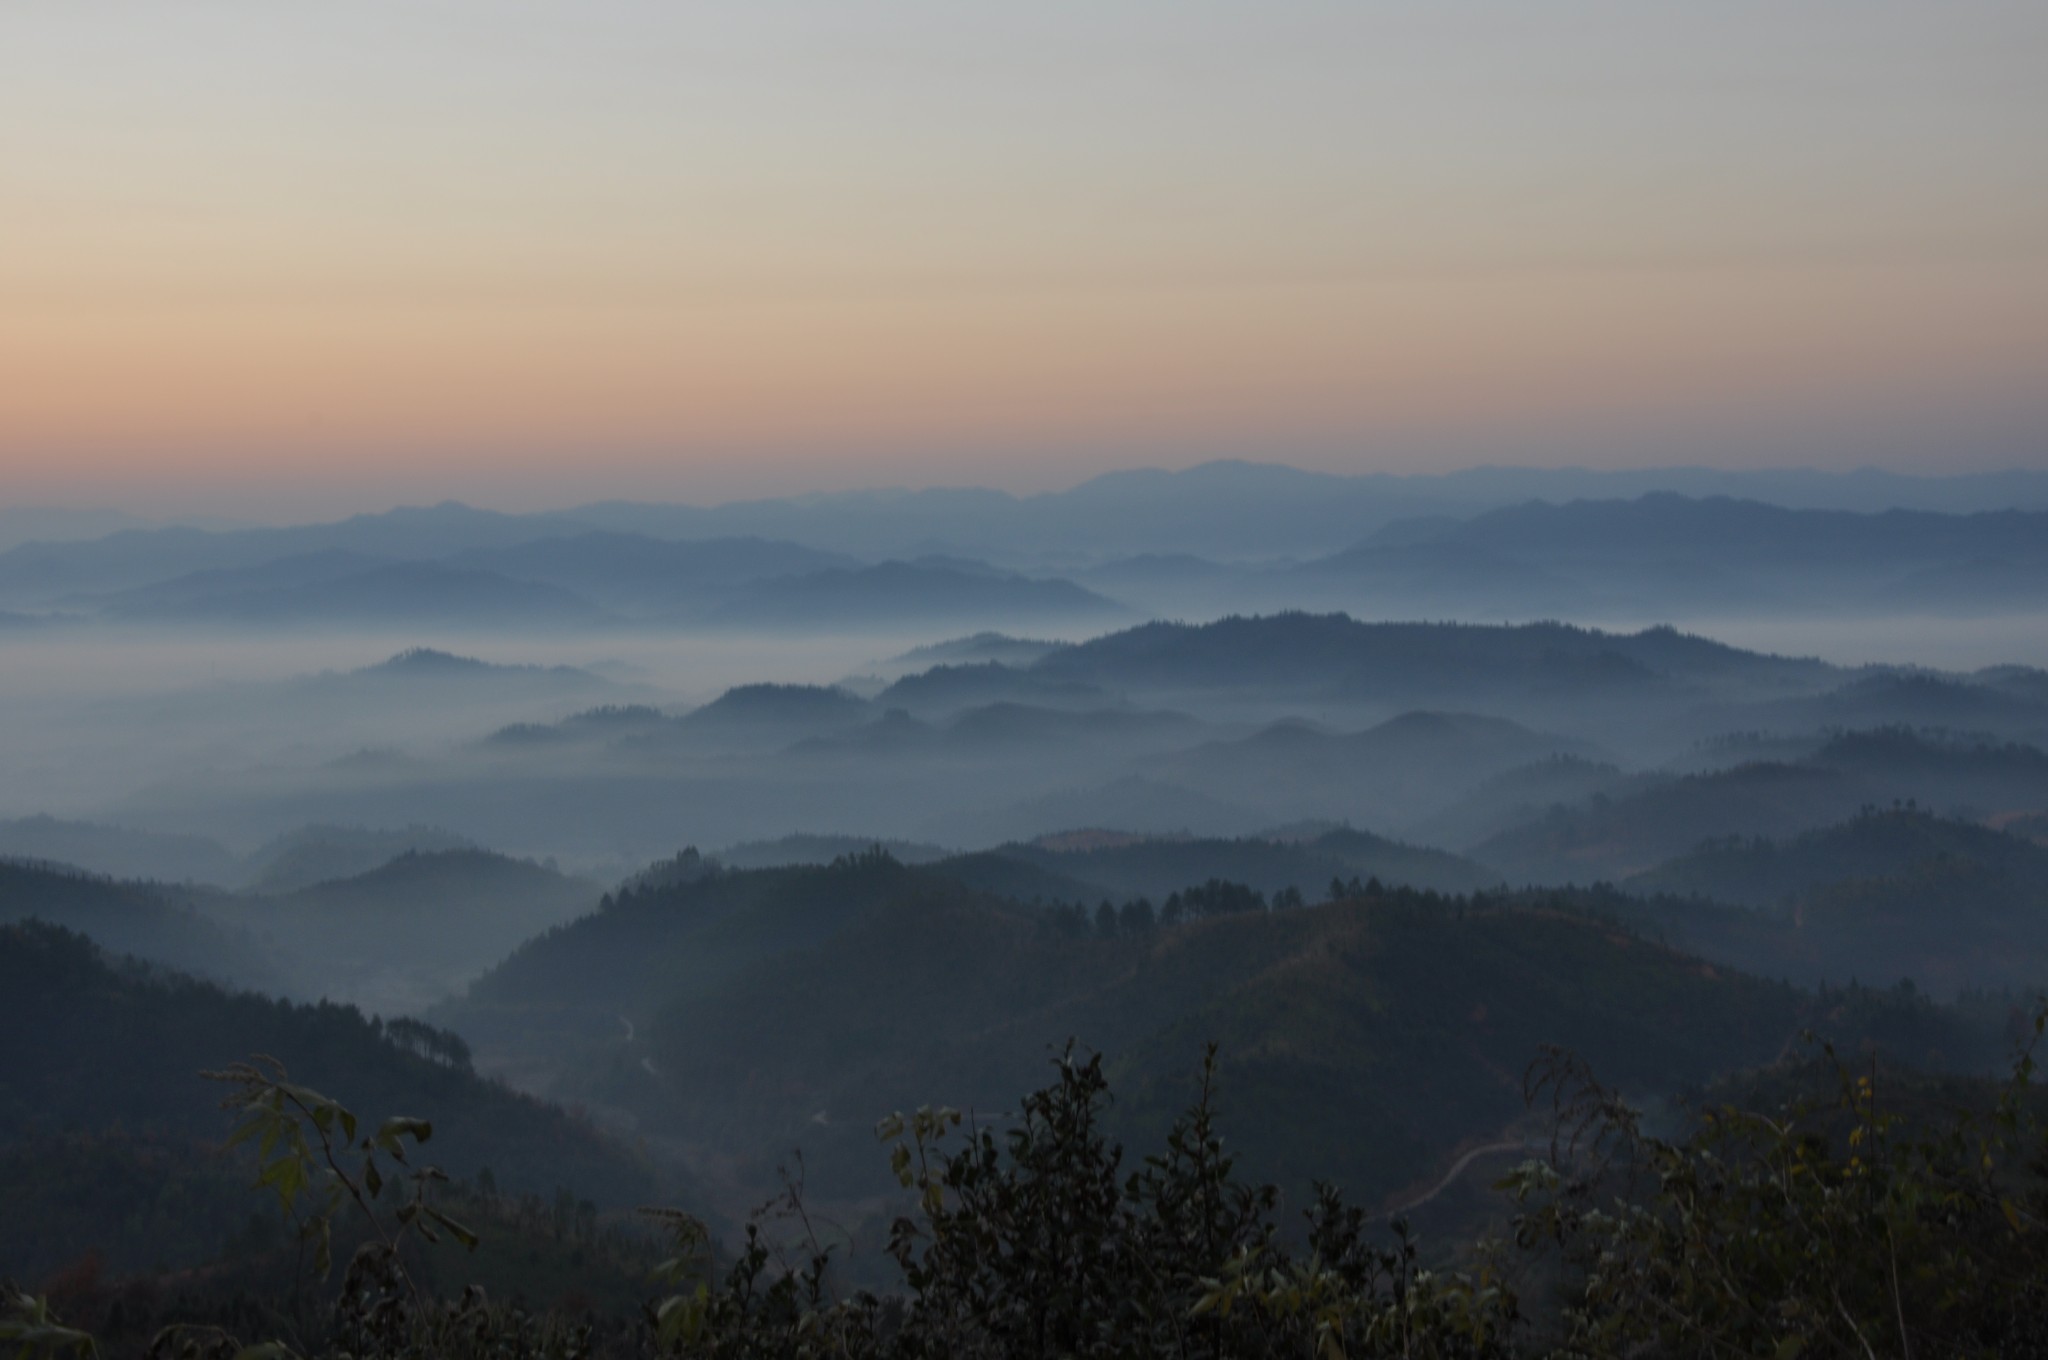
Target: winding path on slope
(1458, 1169)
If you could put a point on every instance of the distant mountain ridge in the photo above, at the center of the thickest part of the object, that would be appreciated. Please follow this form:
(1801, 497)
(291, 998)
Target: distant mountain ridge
(659, 578)
(596, 580)
(1661, 524)
(1263, 510)
(133, 557)
(339, 590)
(1664, 552)
(218, 587)
(1138, 525)
(431, 663)
(1408, 662)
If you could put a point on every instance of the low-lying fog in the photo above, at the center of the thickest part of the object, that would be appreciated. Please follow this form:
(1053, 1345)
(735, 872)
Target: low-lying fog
(143, 729)
(89, 716)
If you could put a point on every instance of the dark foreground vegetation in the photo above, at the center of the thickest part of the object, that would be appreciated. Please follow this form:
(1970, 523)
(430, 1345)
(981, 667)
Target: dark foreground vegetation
(1844, 1210)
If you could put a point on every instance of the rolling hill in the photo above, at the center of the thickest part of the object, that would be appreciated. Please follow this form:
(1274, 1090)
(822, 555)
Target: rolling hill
(145, 920)
(1524, 794)
(1391, 774)
(401, 936)
(1633, 832)
(776, 715)
(1613, 838)
(118, 851)
(1889, 894)
(578, 980)
(1390, 1030)
(949, 687)
(1154, 868)
(1876, 844)
(792, 1007)
(324, 854)
(973, 650)
(94, 1043)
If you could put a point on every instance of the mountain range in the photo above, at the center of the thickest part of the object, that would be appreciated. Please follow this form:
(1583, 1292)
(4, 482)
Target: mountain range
(1548, 752)
(1194, 544)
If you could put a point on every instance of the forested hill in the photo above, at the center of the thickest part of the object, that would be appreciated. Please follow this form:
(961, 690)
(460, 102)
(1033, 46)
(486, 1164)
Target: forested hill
(1412, 662)
(1616, 838)
(409, 932)
(1875, 844)
(326, 854)
(118, 851)
(90, 1042)
(1893, 893)
(144, 919)
(793, 1007)
(1156, 866)
(645, 945)
(1392, 1028)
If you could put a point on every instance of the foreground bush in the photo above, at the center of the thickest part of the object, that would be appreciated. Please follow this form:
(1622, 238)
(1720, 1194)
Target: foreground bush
(1886, 1221)
(1890, 1219)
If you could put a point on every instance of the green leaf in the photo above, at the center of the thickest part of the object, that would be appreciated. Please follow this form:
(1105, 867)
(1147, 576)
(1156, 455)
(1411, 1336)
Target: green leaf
(246, 1130)
(398, 1127)
(455, 1230)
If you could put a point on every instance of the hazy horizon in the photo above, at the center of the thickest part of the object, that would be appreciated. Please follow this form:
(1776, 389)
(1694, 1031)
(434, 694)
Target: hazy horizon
(1626, 480)
(278, 262)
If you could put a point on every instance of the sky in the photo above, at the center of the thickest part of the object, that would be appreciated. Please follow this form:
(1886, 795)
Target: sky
(266, 258)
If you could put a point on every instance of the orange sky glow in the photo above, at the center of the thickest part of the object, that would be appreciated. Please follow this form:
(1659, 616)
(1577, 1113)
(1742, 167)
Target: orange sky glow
(264, 259)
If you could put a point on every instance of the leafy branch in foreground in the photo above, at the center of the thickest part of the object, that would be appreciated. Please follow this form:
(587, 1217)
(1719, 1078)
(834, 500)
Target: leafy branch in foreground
(1878, 1223)
(28, 1326)
(309, 1155)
